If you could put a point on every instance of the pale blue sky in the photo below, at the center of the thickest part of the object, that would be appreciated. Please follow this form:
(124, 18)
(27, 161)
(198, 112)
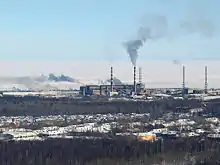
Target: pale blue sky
(95, 29)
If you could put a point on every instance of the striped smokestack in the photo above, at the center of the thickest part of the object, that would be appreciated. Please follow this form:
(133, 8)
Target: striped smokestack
(206, 80)
(183, 81)
(134, 79)
(111, 79)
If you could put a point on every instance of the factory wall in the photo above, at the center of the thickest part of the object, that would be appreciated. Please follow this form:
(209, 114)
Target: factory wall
(105, 89)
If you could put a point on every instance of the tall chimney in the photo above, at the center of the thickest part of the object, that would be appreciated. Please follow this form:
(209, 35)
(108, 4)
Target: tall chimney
(140, 75)
(135, 80)
(206, 80)
(183, 81)
(111, 79)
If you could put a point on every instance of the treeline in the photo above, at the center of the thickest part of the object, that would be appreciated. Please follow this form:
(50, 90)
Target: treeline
(107, 152)
(35, 106)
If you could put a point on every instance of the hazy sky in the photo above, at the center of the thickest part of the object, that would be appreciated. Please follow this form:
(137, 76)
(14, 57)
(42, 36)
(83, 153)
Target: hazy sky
(94, 30)
(154, 73)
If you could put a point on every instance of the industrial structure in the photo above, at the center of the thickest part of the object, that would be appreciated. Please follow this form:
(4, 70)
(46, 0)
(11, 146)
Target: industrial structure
(183, 85)
(187, 91)
(115, 89)
(206, 80)
(106, 90)
(137, 89)
(111, 78)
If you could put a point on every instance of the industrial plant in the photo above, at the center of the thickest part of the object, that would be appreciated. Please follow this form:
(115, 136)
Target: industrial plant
(115, 89)
(138, 90)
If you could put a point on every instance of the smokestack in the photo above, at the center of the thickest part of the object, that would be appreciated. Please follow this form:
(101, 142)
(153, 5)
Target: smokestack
(206, 80)
(111, 79)
(183, 80)
(134, 79)
(140, 75)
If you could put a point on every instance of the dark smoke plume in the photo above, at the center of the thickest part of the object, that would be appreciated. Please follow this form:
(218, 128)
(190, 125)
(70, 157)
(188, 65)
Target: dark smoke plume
(195, 22)
(132, 49)
(155, 29)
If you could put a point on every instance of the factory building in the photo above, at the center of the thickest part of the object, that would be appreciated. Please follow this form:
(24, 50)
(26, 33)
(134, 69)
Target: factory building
(113, 88)
(104, 90)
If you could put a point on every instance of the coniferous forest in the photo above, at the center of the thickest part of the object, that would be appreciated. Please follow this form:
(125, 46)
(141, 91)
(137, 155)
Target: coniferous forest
(110, 151)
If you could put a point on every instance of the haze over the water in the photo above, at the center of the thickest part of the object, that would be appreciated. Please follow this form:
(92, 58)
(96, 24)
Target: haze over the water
(93, 30)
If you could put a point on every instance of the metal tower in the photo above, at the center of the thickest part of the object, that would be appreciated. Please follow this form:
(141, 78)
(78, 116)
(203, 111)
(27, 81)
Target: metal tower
(183, 85)
(111, 79)
(135, 87)
(206, 80)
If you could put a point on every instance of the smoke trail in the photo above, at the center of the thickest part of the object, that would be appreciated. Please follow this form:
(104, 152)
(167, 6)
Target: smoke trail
(156, 29)
(202, 26)
(132, 48)
(177, 62)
